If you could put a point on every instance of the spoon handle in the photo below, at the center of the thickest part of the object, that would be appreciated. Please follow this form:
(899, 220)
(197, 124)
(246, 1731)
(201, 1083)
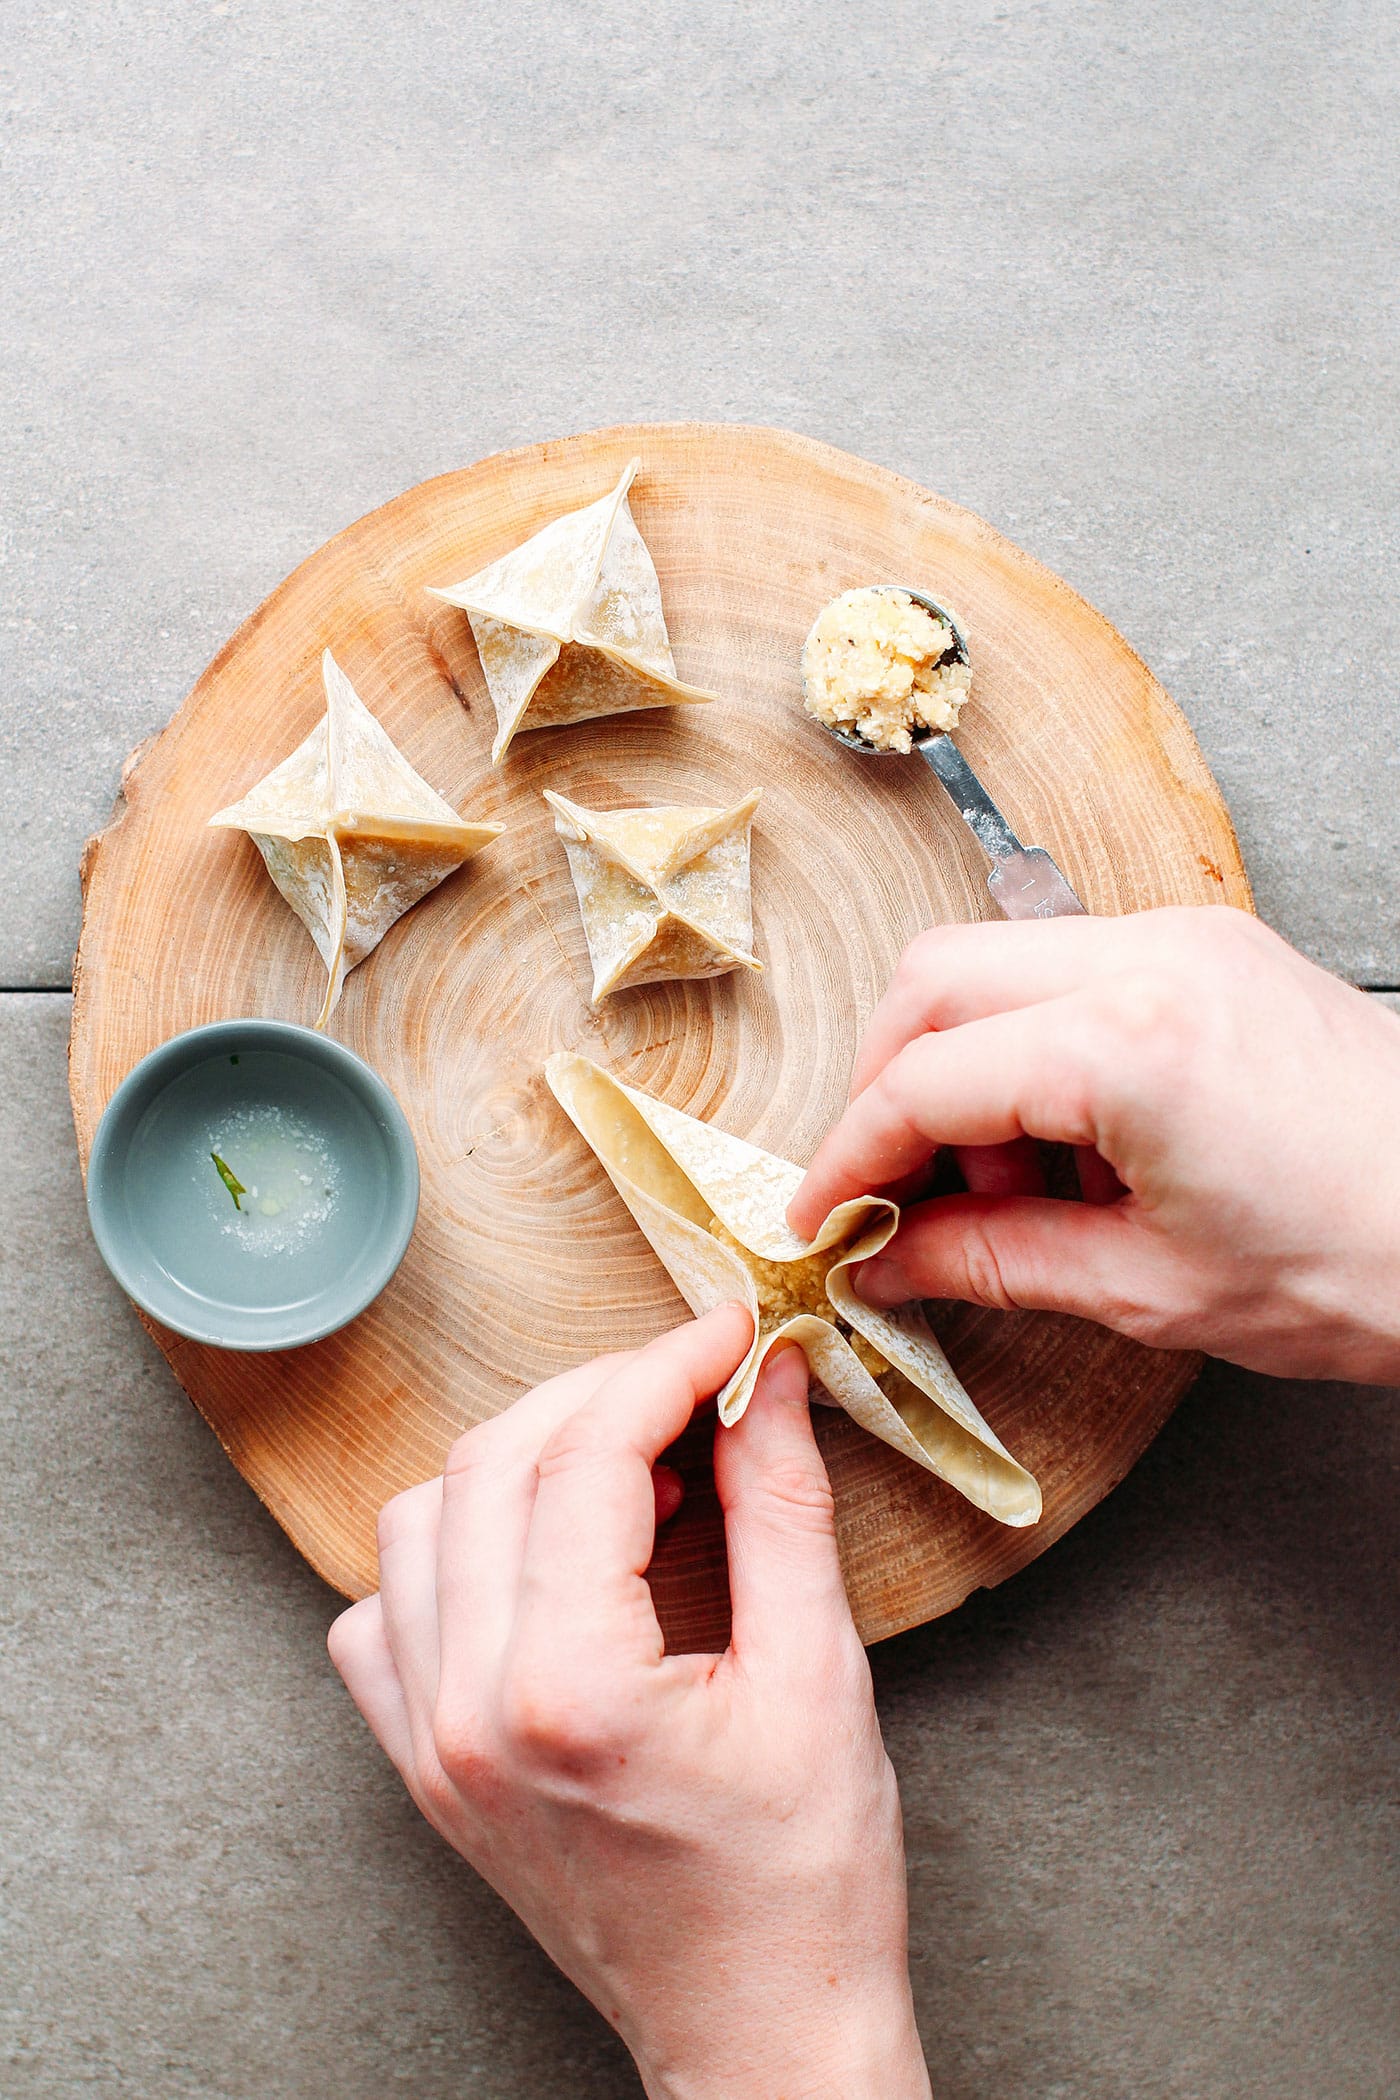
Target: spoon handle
(1024, 881)
(975, 806)
(1028, 885)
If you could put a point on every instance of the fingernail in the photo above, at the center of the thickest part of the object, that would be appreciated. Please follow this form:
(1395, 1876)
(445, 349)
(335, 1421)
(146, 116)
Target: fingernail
(783, 1379)
(727, 1305)
(880, 1282)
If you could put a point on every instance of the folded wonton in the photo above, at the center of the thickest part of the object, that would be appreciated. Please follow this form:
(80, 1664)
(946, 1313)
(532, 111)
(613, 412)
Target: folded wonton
(569, 624)
(663, 892)
(712, 1207)
(352, 836)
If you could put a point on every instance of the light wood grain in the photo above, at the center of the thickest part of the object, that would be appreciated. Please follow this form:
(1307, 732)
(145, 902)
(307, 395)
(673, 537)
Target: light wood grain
(524, 1259)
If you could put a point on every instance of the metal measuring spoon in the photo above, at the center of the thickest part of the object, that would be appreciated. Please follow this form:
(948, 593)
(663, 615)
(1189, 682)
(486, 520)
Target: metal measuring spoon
(1024, 879)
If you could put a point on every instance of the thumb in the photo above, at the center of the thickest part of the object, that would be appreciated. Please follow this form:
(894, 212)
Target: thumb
(1014, 1251)
(785, 1585)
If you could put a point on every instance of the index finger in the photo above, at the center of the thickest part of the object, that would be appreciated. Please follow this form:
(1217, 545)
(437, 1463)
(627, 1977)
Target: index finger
(953, 974)
(488, 1493)
(1021, 1074)
(593, 1525)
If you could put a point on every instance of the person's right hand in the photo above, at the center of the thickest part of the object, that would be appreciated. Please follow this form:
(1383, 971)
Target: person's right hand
(1237, 1112)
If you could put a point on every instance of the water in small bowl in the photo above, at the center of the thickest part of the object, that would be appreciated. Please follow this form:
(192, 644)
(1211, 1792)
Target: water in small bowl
(277, 1171)
(253, 1185)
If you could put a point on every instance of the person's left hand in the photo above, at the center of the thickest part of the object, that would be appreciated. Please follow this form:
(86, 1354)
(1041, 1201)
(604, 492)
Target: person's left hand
(709, 1845)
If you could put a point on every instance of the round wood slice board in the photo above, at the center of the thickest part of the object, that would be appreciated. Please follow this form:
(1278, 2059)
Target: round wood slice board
(524, 1259)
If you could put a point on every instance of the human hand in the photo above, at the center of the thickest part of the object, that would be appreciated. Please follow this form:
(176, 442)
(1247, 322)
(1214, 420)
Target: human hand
(710, 1846)
(1236, 1110)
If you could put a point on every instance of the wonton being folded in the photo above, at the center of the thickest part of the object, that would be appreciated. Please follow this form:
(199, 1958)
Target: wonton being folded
(712, 1207)
(352, 836)
(569, 624)
(663, 892)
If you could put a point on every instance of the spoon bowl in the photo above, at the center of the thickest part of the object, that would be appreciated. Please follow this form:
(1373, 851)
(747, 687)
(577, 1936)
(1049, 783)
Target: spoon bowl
(955, 653)
(1024, 880)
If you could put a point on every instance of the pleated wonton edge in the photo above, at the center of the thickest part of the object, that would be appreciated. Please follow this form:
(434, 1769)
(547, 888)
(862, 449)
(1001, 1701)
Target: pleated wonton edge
(352, 836)
(584, 583)
(674, 1173)
(641, 874)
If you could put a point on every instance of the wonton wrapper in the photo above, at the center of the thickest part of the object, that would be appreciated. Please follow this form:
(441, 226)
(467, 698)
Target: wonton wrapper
(675, 1174)
(663, 892)
(352, 836)
(569, 624)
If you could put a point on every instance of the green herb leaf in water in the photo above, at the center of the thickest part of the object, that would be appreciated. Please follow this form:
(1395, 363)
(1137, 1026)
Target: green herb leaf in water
(230, 1180)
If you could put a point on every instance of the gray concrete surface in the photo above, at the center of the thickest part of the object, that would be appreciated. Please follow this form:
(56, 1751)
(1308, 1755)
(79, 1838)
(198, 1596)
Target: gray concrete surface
(1125, 282)
(1149, 1785)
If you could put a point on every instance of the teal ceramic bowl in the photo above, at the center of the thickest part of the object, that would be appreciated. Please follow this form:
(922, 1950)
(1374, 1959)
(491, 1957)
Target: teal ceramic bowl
(252, 1184)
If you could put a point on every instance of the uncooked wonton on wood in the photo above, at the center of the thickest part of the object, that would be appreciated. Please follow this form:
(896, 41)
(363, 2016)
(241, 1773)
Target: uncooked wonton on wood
(713, 1208)
(351, 835)
(569, 624)
(663, 892)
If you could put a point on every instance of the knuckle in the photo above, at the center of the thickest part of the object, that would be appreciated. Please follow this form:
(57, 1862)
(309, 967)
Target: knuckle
(461, 1750)
(895, 1087)
(1155, 1326)
(846, 1675)
(1143, 1006)
(1143, 1026)
(920, 956)
(1149, 1293)
(553, 1720)
(386, 1526)
(471, 1452)
(400, 1518)
(1228, 924)
(345, 1635)
(801, 1491)
(1248, 954)
(1212, 932)
(572, 1443)
(435, 1791)
(1170, 925)
(456, 1732)
(984, 1278)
